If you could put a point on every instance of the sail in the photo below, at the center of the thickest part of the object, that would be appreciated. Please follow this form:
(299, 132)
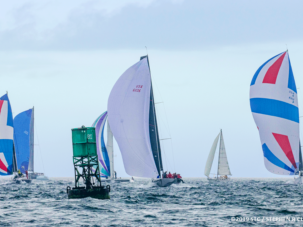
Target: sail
(223, 167)
(153, 128)
(110, 150)
(128, 116)
(211, 156)
(6, 136)
(22, 139)
(101, 148)
(274, 105)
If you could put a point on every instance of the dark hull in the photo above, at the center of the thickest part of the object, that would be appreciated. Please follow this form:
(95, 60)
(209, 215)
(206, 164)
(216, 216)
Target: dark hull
(96, 192)
(165, 182)
(20, 180)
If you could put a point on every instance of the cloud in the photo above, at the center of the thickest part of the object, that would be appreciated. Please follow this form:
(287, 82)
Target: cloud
(170, 25)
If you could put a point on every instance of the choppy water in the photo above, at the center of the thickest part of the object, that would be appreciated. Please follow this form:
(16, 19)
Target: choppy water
(198, 202)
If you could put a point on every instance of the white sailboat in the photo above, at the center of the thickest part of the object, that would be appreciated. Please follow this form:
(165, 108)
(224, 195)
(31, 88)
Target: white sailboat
(223, 168)
(133, 121)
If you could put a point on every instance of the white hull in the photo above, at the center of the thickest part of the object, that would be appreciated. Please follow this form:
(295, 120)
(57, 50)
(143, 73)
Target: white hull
(42, 178)
(299, 180)
(116, 180)
(219, 179)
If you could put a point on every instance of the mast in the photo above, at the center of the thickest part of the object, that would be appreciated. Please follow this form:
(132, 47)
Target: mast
(153, 128)
(31, 143)
(110, 151)
(15, 166)
(219, 152)
(300, 158)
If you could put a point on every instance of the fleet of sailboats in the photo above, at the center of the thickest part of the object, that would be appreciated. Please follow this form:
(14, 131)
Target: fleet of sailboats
(17, 143)
(131, 119)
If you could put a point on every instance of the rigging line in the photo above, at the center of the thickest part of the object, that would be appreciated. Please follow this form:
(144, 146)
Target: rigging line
(167, 124)
(40, 149)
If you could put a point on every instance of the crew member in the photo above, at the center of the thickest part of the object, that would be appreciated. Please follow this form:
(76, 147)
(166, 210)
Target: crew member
(169, 175)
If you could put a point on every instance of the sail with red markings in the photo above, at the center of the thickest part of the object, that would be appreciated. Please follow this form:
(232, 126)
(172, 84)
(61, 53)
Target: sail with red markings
(6, 137)
(274, 105)
(132, 118)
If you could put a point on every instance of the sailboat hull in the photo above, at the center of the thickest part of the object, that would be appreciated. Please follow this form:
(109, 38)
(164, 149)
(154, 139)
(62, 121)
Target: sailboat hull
(218, 178)
(116, 180)
(299, 180)
(165, 182)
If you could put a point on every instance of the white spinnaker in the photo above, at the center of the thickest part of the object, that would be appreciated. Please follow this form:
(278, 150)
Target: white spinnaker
(223, 167)
(128, 116)
(211, 156)
(110, 150)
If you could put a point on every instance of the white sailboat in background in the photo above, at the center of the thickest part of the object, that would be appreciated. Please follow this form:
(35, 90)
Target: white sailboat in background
(223, 167)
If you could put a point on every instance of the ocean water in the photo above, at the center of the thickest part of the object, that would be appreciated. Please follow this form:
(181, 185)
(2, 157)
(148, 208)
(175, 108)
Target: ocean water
(197, 202)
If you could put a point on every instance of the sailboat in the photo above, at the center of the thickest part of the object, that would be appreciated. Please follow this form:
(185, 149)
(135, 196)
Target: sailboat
(133, 121)
(105, 153)
(274, 106)
(7, 155)
(24, 144)
(223, 168)
(8, 159)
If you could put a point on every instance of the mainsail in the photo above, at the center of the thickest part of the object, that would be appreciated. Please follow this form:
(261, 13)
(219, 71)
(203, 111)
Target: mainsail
(223, 167)
(104, 162)
(211, 156)
(274, 105)
(153, 127)
(23, 140)
(129, 119)
(6, 136)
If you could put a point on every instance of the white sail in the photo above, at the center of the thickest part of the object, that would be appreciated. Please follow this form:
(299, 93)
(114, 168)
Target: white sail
(223, 167)
(211, 156)
(128, 116)
(110, 150)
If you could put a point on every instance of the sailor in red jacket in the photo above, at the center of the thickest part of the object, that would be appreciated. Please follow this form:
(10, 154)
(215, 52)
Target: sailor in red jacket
(179, 176)
(169, 175)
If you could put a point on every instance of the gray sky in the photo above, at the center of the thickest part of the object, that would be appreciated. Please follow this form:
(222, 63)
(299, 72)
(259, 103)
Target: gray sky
(63, 57)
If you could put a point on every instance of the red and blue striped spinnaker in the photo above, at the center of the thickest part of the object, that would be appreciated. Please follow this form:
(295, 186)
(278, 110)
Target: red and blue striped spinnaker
(274, 105)
(6, 136)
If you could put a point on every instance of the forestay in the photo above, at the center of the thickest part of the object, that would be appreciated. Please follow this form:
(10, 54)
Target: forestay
(274, 105)
(128, 116)
(211, 156)
(223, 167)
(6, 136)
(23, 140)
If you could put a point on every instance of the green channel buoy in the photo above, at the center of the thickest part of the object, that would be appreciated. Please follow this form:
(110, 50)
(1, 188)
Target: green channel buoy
(86, 166)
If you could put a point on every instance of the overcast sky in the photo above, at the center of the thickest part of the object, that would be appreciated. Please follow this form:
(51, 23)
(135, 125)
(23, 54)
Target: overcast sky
(63, 57)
